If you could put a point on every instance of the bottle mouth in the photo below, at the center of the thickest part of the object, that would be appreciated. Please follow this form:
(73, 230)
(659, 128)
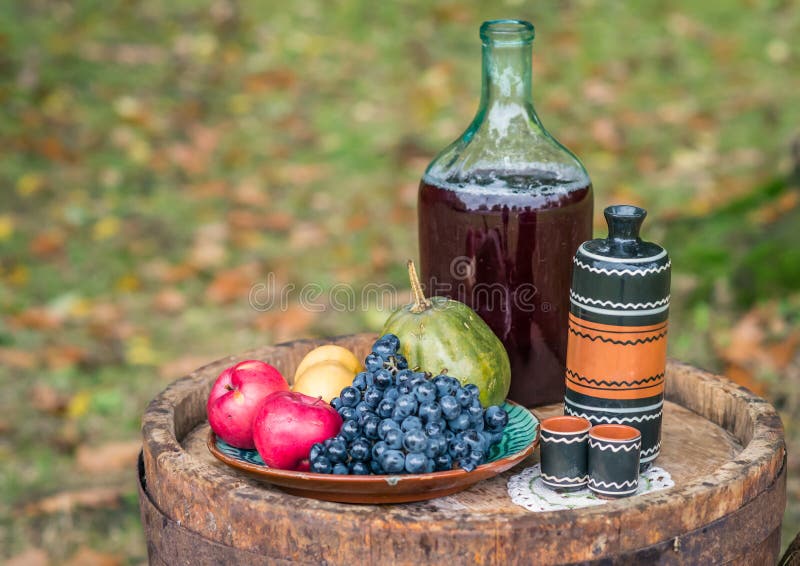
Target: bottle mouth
(507, 32)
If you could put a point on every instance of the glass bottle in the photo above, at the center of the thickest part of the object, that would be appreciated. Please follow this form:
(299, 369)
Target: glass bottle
(501, 212)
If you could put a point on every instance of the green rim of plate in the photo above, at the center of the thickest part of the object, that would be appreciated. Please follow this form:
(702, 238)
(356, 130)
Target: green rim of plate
(519, 433)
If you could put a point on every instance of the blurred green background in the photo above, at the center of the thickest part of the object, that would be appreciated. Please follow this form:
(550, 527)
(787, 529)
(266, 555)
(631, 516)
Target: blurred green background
(160, 158)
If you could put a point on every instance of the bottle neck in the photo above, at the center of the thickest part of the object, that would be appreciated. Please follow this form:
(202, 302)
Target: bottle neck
(506, 74)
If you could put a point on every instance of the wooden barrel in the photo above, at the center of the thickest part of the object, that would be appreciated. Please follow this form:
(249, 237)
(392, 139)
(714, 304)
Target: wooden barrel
(723, 446)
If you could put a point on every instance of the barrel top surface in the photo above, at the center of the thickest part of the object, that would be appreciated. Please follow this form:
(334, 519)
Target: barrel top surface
(722, 445)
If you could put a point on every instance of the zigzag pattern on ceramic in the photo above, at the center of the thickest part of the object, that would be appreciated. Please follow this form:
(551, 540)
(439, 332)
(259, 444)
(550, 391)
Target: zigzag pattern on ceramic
(605, 271)
(605, 447)
(554, 479)
(590, 301)
(562, 440)
(651, 450)
(612, 484)
(614, 420)
(618, 342)
(579, 377)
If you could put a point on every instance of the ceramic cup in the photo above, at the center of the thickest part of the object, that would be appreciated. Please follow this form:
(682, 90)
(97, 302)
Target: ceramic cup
(563, 446)
(614, 452)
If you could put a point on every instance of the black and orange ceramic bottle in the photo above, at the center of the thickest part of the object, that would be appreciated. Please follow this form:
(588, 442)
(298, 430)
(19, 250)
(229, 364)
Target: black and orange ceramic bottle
(617, 335)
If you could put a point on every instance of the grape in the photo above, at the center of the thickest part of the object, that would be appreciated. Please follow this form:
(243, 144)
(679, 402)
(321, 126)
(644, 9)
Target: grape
(385, 408)
(347, 413)
(385, 426)
(434, 428)
(373, 396)
(360, 449)
(450, 407)
(321, 465)
(415, 462)
(378, 449)
(393, 461)
(336, 403)
(475, 414)
(415, 441)
(383, 378)
(411, 423)
(473, 390)
(370, 427)
(373, 362)
(403, 376)
(337, 451)
(341, 469)
(392, 341)
(400, 362)
(430, 411)
(458, 424)
(473, 440)
(350, 396)
(350, 430)
(394, 439)
(391, 393)
(425, 392)
(363, 410)
(495, 418)
(317, 450)
(360, 381)
(443, 462)
(464, 397)
(406, 405)
(458, 448)
(359, 469)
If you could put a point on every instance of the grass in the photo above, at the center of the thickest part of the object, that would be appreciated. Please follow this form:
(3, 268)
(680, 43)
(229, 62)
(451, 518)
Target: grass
(161, 158)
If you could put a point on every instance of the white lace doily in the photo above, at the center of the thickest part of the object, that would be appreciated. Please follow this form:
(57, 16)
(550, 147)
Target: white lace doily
(527, 490)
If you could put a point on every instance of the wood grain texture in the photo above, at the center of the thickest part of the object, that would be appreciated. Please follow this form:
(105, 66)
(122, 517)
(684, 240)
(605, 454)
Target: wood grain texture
(723, 446)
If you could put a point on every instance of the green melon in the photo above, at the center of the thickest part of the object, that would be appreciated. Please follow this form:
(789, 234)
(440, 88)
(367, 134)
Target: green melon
(440, 334)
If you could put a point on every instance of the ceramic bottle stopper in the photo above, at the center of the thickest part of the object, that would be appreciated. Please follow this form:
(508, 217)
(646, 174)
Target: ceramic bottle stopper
(617, 341)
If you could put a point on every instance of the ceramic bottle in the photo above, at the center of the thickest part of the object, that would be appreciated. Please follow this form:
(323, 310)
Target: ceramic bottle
(617, 334)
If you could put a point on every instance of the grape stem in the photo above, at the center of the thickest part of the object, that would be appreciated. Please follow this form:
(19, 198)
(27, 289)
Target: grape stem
(421, 304)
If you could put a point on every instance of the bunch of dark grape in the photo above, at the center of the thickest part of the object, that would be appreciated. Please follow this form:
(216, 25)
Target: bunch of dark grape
(398, 420)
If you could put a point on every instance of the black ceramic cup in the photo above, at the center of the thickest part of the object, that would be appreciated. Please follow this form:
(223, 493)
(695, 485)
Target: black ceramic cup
(614, 452)
(563, 446)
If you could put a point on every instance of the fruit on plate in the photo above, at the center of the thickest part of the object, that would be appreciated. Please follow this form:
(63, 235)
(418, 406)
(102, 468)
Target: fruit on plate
(288, 424)
(443, 335)
(236, 396)
(397, 421)
(324, 371)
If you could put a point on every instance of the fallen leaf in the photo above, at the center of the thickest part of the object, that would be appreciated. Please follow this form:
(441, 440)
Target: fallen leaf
(85, 556)
(169, 300)
(47, 399)
(277, 221)
(232, 284)
(36, 318)
(742, 376)
(29, 557)
(184, 365)
(66, 501)
(110, 457)
(288, 324)
(64, 356)
(47, 243)
(16, 358)
(305, 235)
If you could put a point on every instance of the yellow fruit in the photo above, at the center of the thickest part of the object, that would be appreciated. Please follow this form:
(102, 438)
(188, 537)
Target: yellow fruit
(332, 353)
(325, 379)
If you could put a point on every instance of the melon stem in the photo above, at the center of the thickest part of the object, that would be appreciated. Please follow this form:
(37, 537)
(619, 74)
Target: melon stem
(420, 302)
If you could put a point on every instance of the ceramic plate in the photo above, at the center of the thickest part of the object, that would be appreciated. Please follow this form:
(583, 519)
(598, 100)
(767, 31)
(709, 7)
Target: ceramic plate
(519, 439)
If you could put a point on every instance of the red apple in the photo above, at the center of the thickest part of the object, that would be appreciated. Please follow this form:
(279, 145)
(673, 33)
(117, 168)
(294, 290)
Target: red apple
(288, 424)
(236, 396)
